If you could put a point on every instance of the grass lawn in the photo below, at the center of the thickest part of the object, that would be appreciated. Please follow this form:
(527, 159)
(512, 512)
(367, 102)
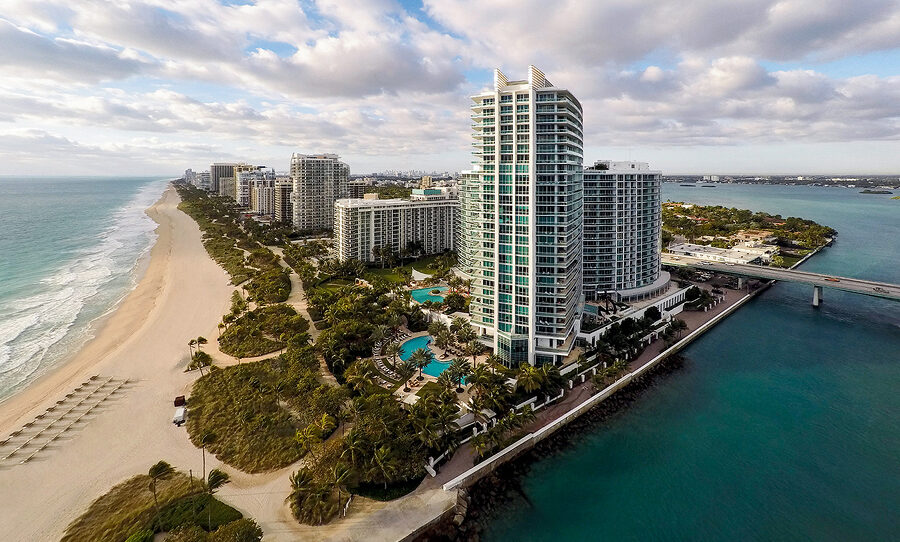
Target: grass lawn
(394, 490)
(430, 388)
(334, 284)
(422, 265)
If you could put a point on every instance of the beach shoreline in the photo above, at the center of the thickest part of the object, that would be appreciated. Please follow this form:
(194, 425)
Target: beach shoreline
(101, 331)
(181, 293)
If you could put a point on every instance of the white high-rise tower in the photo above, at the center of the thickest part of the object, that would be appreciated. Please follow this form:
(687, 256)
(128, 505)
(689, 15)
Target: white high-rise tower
(319, 181)
(521, 218)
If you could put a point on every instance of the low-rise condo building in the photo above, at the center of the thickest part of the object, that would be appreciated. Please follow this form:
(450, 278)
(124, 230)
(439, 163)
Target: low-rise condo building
(425, 224)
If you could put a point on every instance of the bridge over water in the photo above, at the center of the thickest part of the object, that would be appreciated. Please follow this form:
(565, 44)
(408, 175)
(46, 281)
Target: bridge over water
(816, 280)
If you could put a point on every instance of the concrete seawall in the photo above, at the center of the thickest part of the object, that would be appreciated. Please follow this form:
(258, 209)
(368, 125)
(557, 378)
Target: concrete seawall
(530, 440)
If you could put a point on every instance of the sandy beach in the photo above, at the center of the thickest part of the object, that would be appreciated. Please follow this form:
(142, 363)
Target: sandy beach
(182, 294)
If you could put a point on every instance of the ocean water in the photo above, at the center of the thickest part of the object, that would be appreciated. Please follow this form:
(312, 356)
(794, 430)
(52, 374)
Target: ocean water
(70, 250)
(782, 425)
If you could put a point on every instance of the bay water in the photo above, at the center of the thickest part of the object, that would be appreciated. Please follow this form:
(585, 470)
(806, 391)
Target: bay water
(783, 423)
(70, 250)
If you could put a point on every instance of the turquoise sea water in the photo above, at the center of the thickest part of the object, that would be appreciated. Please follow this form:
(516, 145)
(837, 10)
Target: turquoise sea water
(436, 367)
(69, 249)
(782, 425)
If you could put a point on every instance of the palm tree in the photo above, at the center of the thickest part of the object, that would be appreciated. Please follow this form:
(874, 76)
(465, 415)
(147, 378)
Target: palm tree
(215, 480)
(205, 440)
(492, 360)
(221, 326)
(447, 379)
(201, 341)
(360, 374)
(353, 446)
(191, 344)
(474, 348)
(442, 340)
(552, 380)
(382, 465)
(460, 369)
(457, 323)
(159, 471)
(308, 438)
(481, 444)
(339, 475)
(393, 350)
(529, 377)
(421, 357)
(406, 371)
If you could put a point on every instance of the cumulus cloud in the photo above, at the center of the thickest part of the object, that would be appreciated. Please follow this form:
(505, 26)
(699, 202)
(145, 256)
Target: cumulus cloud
(24, 53)
(154, 80)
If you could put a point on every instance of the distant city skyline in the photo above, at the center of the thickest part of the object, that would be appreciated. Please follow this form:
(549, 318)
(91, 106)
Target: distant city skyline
(141, 87)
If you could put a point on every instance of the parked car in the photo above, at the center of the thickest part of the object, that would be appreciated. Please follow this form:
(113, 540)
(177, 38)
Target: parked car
(180, 415)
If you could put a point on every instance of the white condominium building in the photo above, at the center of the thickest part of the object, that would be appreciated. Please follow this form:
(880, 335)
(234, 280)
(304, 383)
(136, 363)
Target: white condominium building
(425, 223)
(319, 180)
(521, 218)
(262, 196)
(202, 180)
(284, 210)
(622, 227)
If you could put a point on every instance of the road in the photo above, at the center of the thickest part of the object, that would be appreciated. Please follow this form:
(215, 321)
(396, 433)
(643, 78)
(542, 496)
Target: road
(847, 284)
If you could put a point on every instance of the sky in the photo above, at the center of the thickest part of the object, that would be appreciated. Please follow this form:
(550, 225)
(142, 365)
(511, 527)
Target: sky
(147, 87)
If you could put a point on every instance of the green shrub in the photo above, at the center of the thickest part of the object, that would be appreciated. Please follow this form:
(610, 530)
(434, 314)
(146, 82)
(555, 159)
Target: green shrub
(242, 530)
(144, 535)
(201, 509)
(238, 404)
(262, 331)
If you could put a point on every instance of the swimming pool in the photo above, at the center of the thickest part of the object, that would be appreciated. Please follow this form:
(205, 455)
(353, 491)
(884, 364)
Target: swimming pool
(436, 367)
(424, 294)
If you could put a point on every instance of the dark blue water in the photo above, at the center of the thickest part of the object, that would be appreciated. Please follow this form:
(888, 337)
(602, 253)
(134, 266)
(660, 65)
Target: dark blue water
(68, 253)
(783, 424)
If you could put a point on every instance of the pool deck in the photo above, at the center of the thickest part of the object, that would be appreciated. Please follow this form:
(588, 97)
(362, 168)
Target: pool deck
(428, 378)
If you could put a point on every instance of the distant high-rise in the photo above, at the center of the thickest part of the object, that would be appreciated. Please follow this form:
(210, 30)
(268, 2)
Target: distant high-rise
(357, 188)
(244, 174)
(217, 172)
(622, 228)
(521, 218)
(284, 210)
(319, 180)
